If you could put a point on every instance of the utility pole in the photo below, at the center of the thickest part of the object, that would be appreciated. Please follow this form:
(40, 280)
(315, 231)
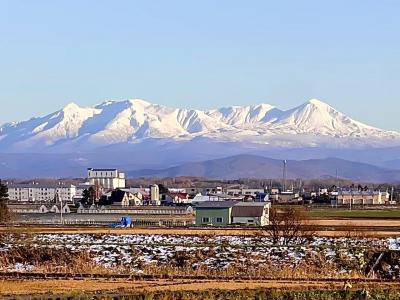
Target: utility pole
(58, 199)
(391, 195)
(337, 180)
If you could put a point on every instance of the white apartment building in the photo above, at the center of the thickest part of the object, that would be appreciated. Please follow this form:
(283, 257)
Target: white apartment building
(362, 197)
(107, 178)
(41, 192)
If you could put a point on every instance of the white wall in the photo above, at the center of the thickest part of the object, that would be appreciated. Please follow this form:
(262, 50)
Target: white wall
(41, 193)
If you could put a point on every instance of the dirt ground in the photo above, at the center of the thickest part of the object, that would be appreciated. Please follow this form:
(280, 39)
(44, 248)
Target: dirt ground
(381, 228)
(57, 287)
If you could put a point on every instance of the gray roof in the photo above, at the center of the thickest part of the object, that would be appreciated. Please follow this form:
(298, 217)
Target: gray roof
(96, 169)
(360, 193)
(252, 204)
(26, 206)
(37, 186)
(216, 204)
(252, 209)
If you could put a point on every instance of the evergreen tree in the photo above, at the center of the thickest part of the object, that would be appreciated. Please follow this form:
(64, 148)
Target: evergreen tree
(85, 196)
(4, 212)
(163, 189)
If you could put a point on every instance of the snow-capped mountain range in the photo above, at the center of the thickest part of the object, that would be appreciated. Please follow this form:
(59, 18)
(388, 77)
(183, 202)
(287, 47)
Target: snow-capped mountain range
(75, 128)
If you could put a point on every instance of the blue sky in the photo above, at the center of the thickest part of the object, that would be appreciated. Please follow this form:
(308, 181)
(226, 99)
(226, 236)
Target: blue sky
(201, 54)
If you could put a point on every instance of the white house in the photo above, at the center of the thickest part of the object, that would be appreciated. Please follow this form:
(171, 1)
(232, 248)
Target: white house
(107, 178)
(251, 213)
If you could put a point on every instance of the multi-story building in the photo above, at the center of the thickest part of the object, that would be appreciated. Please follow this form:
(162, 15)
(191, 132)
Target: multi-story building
(107, 178)
(362, 197)
(41, 192)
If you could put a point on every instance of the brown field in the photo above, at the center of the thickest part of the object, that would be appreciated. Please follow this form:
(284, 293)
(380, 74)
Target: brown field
(56, 287)
(365, 227)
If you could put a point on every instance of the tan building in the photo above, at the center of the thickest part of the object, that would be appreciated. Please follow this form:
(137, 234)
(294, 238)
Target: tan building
(362, 198)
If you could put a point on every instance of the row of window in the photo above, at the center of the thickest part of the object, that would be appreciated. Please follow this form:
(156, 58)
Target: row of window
(220, 220)
(217, 220)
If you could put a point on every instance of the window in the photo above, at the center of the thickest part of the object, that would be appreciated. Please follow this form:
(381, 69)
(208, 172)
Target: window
(219, 219)
(205, 220)
(250, 221)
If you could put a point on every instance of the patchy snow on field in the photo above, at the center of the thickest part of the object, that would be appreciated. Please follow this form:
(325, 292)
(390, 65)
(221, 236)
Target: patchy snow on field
(134, 251)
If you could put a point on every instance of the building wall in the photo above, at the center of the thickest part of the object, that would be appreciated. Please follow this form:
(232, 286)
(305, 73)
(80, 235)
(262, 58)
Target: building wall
(41, 193)
(212, 214)
(256, 221)
(244, 191)
(203, 191)
(154, 193)
(361, 199)
(108, 179)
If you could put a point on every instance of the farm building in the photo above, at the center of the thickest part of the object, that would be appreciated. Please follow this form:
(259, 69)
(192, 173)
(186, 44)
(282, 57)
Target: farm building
(29, 208)
(214, 213)
(362, 198)
(221, 213)
(251, 213)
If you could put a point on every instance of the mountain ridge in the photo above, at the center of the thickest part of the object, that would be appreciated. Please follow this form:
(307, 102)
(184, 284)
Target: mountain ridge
(253, 166)
(312, 123)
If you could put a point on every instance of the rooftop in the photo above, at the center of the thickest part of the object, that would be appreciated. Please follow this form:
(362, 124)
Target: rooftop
(216, 204)
(34, 185)
(93, 169)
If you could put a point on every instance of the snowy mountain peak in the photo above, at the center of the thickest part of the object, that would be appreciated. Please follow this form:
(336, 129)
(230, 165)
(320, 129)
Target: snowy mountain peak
(136, 120)
(317, 103)
(139, 102)
(72, 106)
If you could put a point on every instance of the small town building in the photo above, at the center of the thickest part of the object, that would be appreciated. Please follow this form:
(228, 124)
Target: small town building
(199, 198)
(28, 208)
(217, 213)
(285, 197)
(124, 197)
(31, 208)
(222, 213)
(362, 198)
(177, 198)
(251, 213)
(135, 210)
(35, 192)
(203, 190)
(244, 192)
(107, 178)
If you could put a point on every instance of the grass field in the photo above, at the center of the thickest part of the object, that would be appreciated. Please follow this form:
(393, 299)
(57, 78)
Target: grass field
(346, 213)
(101, 287)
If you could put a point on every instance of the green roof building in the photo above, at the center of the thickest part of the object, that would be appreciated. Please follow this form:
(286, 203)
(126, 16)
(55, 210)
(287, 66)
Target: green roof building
(216, 213)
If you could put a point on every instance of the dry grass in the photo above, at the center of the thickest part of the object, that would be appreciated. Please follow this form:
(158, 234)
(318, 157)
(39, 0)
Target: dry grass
(214, 231)
(52, 260)
(57, 287)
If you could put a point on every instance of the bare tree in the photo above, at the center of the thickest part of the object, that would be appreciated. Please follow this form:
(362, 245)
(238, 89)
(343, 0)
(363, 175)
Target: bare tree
(95, 192)
(287, 223)
(5, 214)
